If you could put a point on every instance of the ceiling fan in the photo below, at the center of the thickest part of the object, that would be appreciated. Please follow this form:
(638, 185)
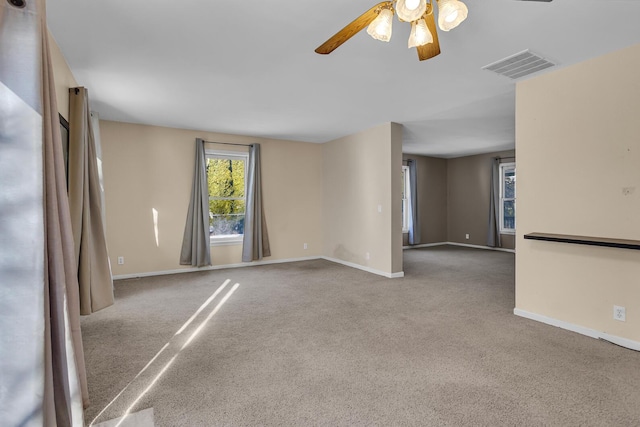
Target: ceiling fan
(420, 13)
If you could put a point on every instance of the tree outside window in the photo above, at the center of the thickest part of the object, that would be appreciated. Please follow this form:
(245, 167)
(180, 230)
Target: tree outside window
(226, 182)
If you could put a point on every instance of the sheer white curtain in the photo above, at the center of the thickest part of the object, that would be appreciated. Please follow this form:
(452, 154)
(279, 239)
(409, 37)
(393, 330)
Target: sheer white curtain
(41, 358)
(21, 218)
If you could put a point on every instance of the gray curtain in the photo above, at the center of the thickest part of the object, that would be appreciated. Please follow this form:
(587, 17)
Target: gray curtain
(255, 243)
(493, 237)
(196, 247)
(85, 202)
(414, 224)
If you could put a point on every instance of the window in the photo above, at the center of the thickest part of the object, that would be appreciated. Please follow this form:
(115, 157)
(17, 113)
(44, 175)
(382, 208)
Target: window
(508, 198)
(64, 133)
(406, 194)
(226, 181)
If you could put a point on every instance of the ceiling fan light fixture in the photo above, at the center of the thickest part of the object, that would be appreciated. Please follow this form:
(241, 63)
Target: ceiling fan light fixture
(381, 27)
(420, 34)
(451, 13)
(410, 10)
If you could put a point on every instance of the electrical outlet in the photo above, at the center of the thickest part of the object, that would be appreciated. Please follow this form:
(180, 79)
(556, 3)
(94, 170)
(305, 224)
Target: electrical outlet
(305, 246)
(367, 255)
(379, 208)
(120, 260)
(466, 236)
(619, 313)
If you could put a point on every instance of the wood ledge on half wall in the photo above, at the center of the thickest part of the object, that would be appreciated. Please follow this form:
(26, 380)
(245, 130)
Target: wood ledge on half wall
(585, 240)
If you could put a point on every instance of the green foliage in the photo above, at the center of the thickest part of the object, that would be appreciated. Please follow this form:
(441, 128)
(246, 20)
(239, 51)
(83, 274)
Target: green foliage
(226, 186)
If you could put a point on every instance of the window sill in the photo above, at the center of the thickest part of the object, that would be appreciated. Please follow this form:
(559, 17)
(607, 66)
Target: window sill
(512, 232)
(226, 240)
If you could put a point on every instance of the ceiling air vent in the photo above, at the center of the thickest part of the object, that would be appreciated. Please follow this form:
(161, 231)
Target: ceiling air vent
(519, 65)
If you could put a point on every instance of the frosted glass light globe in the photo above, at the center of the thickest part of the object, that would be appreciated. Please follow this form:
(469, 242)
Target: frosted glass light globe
(451, 13)
(410, 10)
(412, 4)
(381, 27)
(420, 34)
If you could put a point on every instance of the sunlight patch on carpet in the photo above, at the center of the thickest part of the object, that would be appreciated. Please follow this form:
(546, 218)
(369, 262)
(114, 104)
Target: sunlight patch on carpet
(171, 351)
(142, 418)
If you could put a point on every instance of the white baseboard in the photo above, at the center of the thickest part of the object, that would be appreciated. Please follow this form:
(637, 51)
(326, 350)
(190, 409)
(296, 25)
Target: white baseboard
(212, 267)
(429, 245)
(481, 247)
(424, 245)
(364, 268)
(623, 342)
(254, 263)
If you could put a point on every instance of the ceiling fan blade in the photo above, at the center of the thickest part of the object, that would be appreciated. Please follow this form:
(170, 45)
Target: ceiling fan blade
(430, 50)
(352, 29)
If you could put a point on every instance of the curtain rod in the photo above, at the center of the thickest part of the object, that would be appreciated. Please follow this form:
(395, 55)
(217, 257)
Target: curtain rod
(227, 143)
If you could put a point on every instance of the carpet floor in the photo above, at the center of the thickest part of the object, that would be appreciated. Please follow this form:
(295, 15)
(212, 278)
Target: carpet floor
(317, 343)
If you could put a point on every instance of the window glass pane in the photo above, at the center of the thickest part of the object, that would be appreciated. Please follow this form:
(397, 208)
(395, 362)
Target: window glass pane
(509, 183)
(403, 182)
(509, 214)
(225, 178)
(226, 225)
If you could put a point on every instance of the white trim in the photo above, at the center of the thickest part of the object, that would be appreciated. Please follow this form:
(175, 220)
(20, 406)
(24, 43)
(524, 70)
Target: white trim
(234, 239)
(364, 268)
(212, 267)
(424, 245)
(223, 154)
(623, 342)
(513, 251)
(254, 263)
(466, 245)
(504, 166)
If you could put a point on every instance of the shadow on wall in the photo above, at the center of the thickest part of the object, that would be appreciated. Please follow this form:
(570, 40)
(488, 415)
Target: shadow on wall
(341, 253)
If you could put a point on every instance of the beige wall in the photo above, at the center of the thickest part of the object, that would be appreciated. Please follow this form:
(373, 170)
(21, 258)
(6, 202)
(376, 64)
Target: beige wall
(578, 146)
(62, 76)
(150, 167)
(432, 198)
(469, 183)
(359, 173)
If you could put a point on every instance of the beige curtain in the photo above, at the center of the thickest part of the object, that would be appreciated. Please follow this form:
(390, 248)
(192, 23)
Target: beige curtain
(85, 201)
(65, 378)
(41, 358)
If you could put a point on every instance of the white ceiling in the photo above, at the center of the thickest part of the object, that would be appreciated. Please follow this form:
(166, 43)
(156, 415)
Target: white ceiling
(249, 67)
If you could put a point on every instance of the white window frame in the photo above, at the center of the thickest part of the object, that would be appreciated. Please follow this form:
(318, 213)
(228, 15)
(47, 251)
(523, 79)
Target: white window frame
(405, 201)
(503, 167)
(235, 239)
